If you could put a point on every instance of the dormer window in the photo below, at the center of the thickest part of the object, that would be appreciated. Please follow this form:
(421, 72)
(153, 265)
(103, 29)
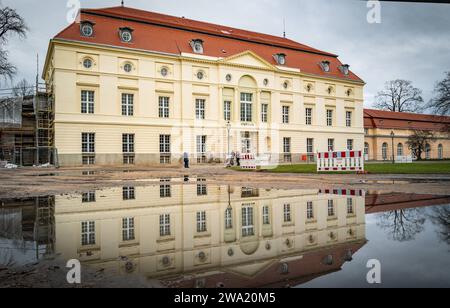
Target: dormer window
(280, 58)
(325, 66)
(126, 35)
(345, 69)
(197, 46)
(87, 28)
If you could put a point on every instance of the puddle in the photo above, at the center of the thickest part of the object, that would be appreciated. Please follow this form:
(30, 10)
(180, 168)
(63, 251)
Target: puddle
(203, 235)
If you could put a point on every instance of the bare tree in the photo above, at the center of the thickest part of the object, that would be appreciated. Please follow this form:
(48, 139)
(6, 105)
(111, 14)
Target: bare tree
(418, 142)
(22, 88)
(441, 103)
(11, 23)
(400, 96)
(441, 217)
(402, 225)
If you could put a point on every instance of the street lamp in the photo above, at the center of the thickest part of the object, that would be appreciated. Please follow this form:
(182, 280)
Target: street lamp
(392, 137)
(228, 138)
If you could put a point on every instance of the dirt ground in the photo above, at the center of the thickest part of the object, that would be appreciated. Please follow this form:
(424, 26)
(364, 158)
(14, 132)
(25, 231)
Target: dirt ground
(27, 182)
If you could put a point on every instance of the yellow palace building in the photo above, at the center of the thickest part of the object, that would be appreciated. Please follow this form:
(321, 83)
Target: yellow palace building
(136, 87)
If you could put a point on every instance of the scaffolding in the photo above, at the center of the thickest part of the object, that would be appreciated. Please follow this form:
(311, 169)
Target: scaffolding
(27, 129)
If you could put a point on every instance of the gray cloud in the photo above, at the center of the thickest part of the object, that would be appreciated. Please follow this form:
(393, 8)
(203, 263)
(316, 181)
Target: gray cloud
(412, 42)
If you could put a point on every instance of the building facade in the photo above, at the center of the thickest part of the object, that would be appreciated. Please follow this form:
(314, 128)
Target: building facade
(385, 130)
(202, 230)
(135, 87)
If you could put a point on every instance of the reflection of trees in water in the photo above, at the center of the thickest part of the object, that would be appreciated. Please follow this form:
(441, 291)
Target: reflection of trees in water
(440, 216)
(402, 225)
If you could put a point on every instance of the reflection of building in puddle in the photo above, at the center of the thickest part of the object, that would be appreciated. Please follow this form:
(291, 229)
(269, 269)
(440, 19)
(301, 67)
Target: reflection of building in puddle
(26, 229)
(206, 235)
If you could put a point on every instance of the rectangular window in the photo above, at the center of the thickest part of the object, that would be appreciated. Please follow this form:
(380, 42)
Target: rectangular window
(227, 110)
(330, 145)
(88, 142)
(331, 208)
(264, 113)
(329, 117)
(348, 119)
(246, 107)
(128, 193)
(228, 219)
(200, 109)
(127, 104)
(350, 144)
(87, 233)
(88, 197)
(164, 225)
(128, 229)
(308, 115)
(128, 143)
(201, 222)
(350, 210)
(165, 189)
(164, 149)
(202, 189)
(248, 228)
(266, 215)
(309, 210)
(287, 149)
(310, 145)
(87, 102)
(285, 118)
(88, 160)
(287, 213)
(164, 107)
(201, 149)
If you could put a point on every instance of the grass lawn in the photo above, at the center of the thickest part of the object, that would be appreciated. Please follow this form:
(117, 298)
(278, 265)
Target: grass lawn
(415, 168)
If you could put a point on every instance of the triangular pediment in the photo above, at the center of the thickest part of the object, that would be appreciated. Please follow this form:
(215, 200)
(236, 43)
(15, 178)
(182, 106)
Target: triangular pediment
(250, 270)
(248, 58)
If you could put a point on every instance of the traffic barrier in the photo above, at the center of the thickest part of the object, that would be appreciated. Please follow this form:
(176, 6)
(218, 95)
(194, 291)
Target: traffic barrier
(348, 161)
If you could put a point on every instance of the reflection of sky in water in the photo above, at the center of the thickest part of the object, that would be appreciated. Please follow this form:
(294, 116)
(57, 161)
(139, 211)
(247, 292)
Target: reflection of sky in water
(421, 262)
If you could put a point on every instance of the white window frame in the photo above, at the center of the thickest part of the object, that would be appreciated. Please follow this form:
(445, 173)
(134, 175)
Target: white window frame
(128, 143)
(331, 209)
(246, 107)
(285, 114)
(330, 117)
(310, 145)
(266, 215)
(88, 143)
(348, 118)
(164, 107)
(127, 104)
(87, 101)
(88, 233)
(228, 219)
(227, 110)
(164, 225)
(128, 229)
(350, 144)
(350, 207)
(164, 144)
(287, 214)
(248, 227)
(330, 145)
(200, 105)
(309, 210)
(308, 116)
(264, 113)
(201, 222)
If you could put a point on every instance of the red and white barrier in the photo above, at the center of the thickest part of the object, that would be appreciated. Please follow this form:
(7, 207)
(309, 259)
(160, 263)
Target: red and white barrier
(343, 192)
(348, 161)
(248, 161)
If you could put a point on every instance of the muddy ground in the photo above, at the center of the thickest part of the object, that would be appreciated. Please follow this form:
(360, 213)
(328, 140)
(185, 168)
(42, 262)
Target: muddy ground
(27, 182)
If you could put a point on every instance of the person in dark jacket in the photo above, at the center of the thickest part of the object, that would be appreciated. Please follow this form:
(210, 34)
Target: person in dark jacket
(186, 160)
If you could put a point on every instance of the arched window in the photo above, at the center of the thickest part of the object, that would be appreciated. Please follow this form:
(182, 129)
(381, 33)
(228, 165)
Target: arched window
(428, 151)
(384, 151)
(400, 149)
(366, 150)
(440, 152)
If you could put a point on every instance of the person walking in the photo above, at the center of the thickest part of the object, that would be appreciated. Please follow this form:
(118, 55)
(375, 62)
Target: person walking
(238, 159)
(186, 160)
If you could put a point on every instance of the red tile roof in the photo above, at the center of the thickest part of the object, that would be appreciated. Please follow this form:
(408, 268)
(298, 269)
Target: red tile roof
(402, 120)
(169, 34)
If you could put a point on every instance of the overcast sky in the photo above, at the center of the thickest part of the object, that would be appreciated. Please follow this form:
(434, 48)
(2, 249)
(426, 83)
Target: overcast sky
(412, 42)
